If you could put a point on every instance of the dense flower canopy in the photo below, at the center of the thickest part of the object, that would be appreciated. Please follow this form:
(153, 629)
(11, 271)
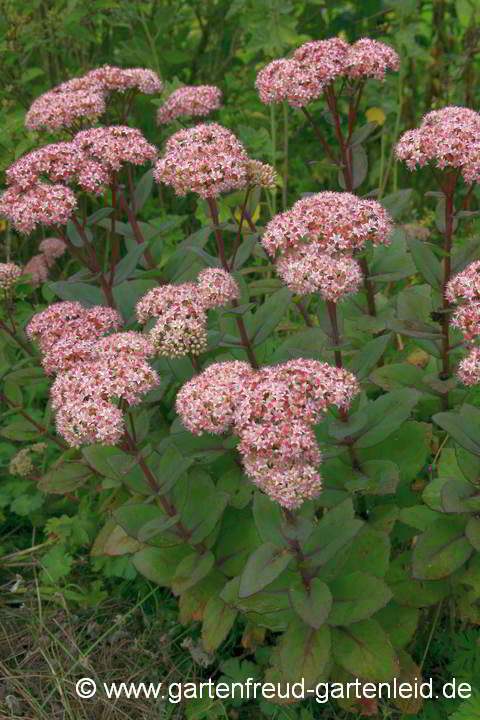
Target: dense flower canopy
(191, 100)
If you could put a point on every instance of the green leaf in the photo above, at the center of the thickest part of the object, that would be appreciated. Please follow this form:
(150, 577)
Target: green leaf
(370, 553)
(365, 359)
(20, 429)
(68, 477)
(127, 264)
(304, 652)
(398, 202)
(426, 262)
(156, 526)
(415, 303)
(261, 324)
(386, 414)
(381, 477)
(168, 466)
(356, 596)
(398, 375)
(418, 516)
(268, 520)
(98, 215)
(88, 295)
(392, 262)
(472, 532)
(237, 539)
(441, 550)
(306, 343)
(410, 592)
(133, 516)
(159, 564)
(460, 427)
(218, 619)
(311, 604)
(333, 533)
(191, 570)
(143, 190)
(354, 423)
(364, 649)
(408, 447)
(361, 133)
(399, 622)
(57, 563)
(359, 165)
(263, 566)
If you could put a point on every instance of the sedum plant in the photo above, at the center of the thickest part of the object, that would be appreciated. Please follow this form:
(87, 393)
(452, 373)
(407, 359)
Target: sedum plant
(274, 479)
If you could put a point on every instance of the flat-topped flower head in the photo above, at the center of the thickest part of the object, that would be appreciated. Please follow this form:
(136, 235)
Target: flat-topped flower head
(308, 269)
(261, 175)
(160, 299)
(370, 58)
(68, 352)
(449, 137)
(287, 483)
(468, 371)
(189, 101)
(296, 390)
(110, 78)
(63, 106)
(466, 285)
(338, 221)
(52, 248)
(206, 159)
(9, 274)
(326, 57)
(112, 376)
(216, 287)
(115, 145)
(286, 79)
(41, 204)
(206, 402)
(71, 319)
(59, 162)
(85, 422)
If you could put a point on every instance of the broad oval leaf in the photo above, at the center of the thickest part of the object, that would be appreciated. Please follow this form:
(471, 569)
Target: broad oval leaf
(312, 604)
(263, 566)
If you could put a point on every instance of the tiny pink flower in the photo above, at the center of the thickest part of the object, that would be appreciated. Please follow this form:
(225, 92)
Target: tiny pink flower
(9, 274)
(41, 204)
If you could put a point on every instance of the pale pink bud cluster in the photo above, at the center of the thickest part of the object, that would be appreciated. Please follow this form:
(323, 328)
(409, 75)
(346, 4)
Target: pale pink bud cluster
(39, 265)
(9, 274)
(40, 204)
(206, 159)
(191, 100)
(181, 311)
(317, 237)
(271, 410)
(301, 79)
(85, 97)
(449, 137)
(261, 175)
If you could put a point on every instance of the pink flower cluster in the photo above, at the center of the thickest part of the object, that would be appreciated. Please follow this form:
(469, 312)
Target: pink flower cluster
(92, 371)
(181, 311)
(39, 265)
(271, 410)
(190, 100)
(85, 97)
(317, 237)
(40, 204)
(114, 145)
(63, 162)
(465, 288)
(9, 274)
(206, 159)
(449, 137)
(89, 160)
(303, 78)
